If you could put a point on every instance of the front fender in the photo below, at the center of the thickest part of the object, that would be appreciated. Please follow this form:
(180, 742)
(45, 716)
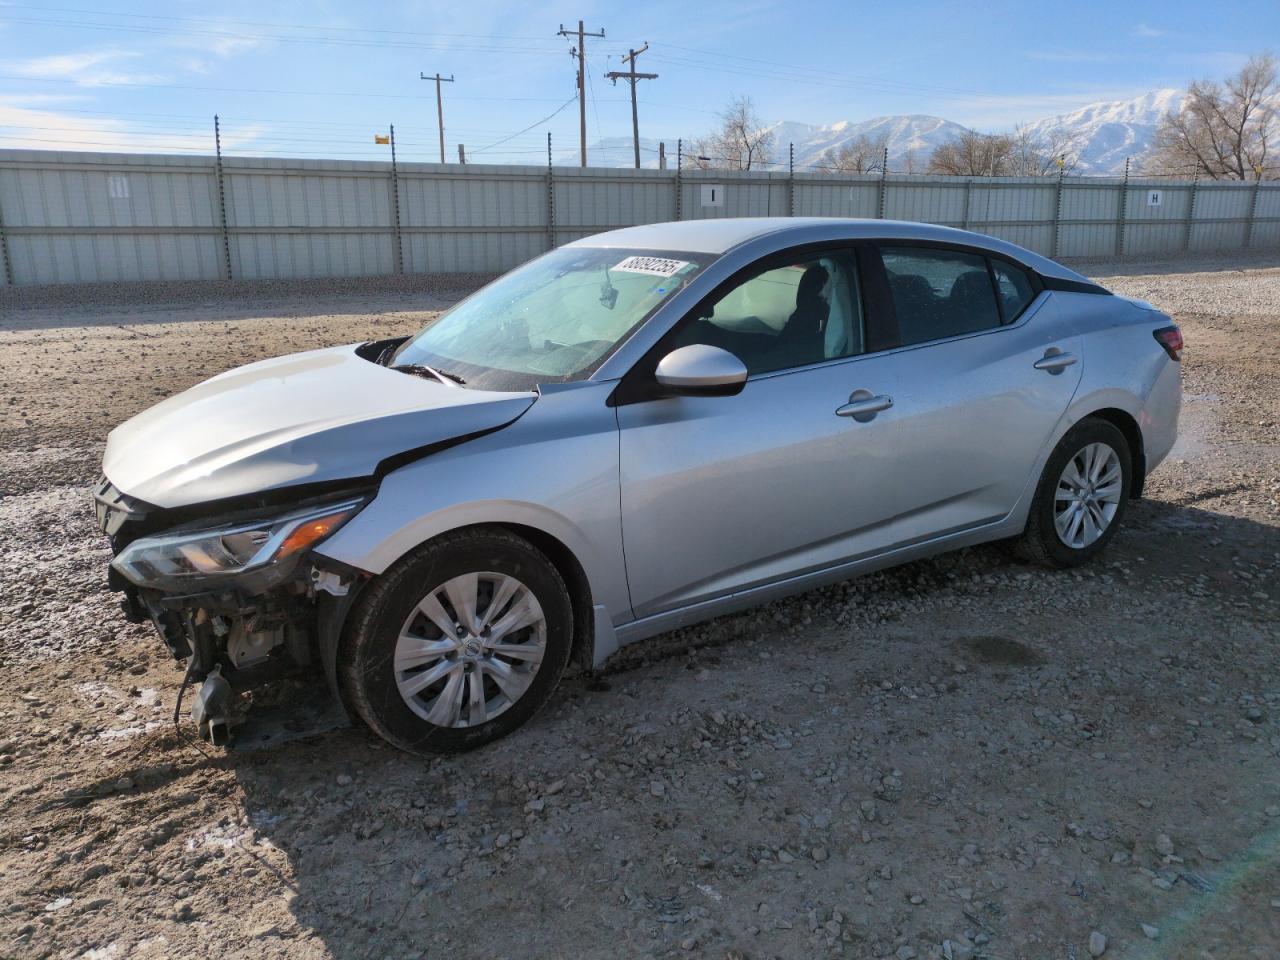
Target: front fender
(555, 470)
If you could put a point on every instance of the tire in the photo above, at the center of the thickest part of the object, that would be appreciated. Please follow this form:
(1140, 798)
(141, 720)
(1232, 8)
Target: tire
(390, 621)
(1041, 541)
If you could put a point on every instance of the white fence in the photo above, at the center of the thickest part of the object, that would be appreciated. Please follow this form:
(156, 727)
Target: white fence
(94, 217)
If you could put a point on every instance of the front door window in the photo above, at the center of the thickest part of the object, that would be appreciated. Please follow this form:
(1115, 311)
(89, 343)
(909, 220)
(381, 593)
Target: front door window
(792, 315)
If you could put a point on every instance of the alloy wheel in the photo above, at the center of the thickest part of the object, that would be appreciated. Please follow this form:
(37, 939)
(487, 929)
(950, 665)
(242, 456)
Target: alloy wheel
(1088, 495)
(470, 649)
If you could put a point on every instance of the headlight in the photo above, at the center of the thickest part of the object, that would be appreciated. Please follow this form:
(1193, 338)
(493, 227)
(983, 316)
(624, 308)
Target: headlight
(185, 560)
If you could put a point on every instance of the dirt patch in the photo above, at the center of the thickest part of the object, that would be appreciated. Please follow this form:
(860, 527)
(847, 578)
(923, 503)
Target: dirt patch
(882, 768)
(1001, 650)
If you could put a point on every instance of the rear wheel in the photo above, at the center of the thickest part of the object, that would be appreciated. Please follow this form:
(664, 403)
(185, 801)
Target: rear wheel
(1081, 497)
(459, 643)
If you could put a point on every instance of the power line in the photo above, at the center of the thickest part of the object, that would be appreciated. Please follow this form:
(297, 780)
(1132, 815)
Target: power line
(336, 140)
(793, 68)
(257, 90)
(528, 128)
(191, 147)
(477, 47)
(350, 129)
(595, 107)
(266, 130)
(259, 23)
(778, 70)
(796, 75)
(312, 123)
(97, 143)
(197, 125)
(837, 76)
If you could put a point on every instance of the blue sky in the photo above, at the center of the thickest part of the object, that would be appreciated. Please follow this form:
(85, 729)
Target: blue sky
(320, 78)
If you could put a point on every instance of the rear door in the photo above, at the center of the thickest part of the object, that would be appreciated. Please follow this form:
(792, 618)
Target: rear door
(987, 370)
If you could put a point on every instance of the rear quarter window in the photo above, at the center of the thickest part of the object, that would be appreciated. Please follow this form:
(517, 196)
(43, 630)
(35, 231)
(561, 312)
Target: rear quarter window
(1014, 287)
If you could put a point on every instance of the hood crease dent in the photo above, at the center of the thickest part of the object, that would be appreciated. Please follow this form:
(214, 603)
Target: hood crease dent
(320, 416)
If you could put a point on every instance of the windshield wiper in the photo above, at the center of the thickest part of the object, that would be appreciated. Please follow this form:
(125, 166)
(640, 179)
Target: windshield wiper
(422, 370)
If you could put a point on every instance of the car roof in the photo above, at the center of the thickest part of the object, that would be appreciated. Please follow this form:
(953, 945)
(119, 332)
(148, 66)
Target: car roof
(722, 234)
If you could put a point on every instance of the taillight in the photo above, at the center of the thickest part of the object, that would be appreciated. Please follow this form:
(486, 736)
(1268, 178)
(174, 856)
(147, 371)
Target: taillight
(1171, 339)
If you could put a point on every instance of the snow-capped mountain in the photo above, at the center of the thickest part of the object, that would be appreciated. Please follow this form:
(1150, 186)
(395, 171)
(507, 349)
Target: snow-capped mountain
(914, 136)
(1102, 134)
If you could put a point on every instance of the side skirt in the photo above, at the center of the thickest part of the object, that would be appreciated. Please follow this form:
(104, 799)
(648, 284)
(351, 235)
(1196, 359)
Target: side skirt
(650, 626)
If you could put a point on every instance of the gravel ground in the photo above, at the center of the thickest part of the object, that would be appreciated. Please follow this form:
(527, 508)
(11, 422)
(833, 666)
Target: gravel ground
(958, 758)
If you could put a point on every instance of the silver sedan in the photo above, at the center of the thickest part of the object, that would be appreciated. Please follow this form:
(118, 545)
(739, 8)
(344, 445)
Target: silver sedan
(636, 431)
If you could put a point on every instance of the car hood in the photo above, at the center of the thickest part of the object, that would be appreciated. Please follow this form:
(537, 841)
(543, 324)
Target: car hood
(323, 415)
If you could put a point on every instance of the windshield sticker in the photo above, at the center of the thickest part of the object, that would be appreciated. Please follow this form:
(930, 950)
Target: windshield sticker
(654, 266)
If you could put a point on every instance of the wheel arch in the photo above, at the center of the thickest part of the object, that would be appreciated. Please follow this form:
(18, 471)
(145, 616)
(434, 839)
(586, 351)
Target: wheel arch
(1124, 422)
(593, 639)
(575, 579)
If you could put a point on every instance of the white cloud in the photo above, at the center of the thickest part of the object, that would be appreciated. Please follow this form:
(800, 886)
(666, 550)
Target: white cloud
(1148, 31)
(86, 68)
(25, 99)
(109, 78)
(35, 129)
(91, 68)
(229, 46)
(68, 65)
(219, 46)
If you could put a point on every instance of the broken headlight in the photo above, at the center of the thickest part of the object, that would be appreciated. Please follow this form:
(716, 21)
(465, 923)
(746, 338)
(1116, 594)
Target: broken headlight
(268, 548)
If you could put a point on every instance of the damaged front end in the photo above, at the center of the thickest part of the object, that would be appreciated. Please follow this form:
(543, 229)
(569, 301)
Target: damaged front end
(234, 589)
(215, 499)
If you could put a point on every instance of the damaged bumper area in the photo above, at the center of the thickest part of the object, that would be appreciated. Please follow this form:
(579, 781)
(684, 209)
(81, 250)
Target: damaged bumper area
(237, 593)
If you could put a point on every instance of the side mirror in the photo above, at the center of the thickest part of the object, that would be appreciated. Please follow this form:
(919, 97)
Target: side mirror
(701, 370)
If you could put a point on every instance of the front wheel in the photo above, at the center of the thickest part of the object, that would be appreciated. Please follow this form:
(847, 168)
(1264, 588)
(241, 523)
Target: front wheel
(1080, 500)
(459, 643)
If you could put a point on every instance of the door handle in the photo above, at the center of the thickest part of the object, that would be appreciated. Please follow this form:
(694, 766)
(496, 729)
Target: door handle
(863, 405)
(1055, 361)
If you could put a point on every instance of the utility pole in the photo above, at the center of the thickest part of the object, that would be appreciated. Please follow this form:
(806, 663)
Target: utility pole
(439, 105)
(580, 51)
(632, 76)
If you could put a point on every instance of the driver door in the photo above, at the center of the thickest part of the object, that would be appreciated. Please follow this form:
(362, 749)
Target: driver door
(723, 494)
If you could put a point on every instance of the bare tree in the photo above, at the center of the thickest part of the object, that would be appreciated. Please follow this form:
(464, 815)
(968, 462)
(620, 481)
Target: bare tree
(1023, 153)
(1035, 154)
(1225, 129)
(862, 154)
(974, 154)
(741, 142)
(1063, 147)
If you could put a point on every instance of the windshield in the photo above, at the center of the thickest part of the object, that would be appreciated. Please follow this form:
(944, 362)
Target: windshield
(554, 319)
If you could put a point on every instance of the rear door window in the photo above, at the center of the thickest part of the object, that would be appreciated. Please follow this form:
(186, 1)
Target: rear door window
(939, 293)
